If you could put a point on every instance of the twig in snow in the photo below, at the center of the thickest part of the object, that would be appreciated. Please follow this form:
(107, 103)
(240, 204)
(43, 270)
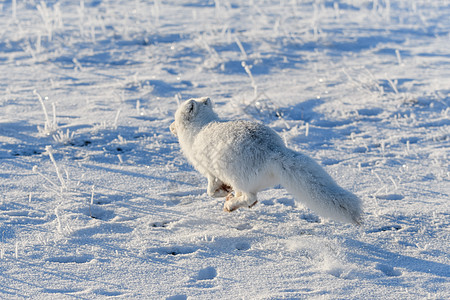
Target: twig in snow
(63, 138)
(58, 172)
(238, 42)
(59, 225)
(49, 127)
(399, 58)
(116, 119)
(249, 73)
(393, 181)
(91, 203)
(35, 169)
(392, 84)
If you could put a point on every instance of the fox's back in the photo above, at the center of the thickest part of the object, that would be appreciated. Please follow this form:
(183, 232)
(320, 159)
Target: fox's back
(235, 144)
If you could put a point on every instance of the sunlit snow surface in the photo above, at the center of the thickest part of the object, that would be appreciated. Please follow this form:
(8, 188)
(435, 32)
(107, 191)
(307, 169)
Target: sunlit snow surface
(112, 209)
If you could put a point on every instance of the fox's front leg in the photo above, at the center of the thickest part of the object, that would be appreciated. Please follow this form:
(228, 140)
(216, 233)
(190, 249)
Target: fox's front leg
(217, 188)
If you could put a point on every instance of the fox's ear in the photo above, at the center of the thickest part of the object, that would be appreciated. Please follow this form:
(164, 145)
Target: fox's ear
(191, 108)
(206, 101)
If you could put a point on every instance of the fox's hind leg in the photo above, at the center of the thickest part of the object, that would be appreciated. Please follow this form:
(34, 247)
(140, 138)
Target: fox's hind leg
(217, 188)
(240, 199)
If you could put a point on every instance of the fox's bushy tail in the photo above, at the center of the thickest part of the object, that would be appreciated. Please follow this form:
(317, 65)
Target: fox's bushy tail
(309, 183)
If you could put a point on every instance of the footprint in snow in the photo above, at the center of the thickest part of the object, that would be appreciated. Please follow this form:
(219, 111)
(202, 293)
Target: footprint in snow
(388, 270)
(244, 226)
(161, 224)
(390, 197)
(385, 228)
(208, 273)
(27, 152)
(177, 297)
(71, 259)
(369, 112)
(102, 292)
(62, 291)
(100, 213)
(176, 250)
(243, 246)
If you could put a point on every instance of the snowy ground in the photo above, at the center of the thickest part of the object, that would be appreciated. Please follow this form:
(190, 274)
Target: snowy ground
(97, 201)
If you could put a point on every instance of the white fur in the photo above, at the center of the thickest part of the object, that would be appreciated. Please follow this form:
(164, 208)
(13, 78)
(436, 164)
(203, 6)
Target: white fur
(247, 157)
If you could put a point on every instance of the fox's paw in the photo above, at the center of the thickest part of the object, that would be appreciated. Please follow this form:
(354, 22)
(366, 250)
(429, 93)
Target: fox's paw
(229, 197)
(229, 206)
(232, 203)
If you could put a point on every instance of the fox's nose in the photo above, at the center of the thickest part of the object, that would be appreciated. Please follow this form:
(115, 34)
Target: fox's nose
(173, 128)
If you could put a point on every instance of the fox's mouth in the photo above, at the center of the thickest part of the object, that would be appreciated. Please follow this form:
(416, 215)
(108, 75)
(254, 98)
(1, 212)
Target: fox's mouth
(173, 128)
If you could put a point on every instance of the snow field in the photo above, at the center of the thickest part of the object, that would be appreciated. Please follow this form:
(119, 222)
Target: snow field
(98, 202)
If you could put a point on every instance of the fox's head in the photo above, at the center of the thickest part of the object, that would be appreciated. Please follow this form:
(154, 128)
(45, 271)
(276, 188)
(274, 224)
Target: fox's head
(193, 114)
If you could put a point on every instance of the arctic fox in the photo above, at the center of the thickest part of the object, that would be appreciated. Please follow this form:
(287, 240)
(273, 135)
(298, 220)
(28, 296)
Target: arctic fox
(241, 158)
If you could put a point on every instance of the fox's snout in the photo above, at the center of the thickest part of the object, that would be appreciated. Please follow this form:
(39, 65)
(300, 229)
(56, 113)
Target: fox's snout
(173, 128)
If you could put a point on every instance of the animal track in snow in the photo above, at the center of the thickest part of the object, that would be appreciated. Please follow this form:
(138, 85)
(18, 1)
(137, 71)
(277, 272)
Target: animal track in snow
(103, 228)
(386, 228)
(242, 246)
(390, 197)
(100, 213)
(330, 162)
(244, 226)
(160, 224)
(388, 270)
(207, 273)
(102, 292)
(369, 112)
(27, 152)
(71, 259)
(176, 250)
(177, 297)
(62, 291)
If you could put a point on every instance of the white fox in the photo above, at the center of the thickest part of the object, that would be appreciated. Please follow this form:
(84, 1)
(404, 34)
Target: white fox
(241, 158)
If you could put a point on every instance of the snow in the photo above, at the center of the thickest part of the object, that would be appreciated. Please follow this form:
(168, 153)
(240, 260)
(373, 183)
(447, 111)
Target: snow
(98, 202)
